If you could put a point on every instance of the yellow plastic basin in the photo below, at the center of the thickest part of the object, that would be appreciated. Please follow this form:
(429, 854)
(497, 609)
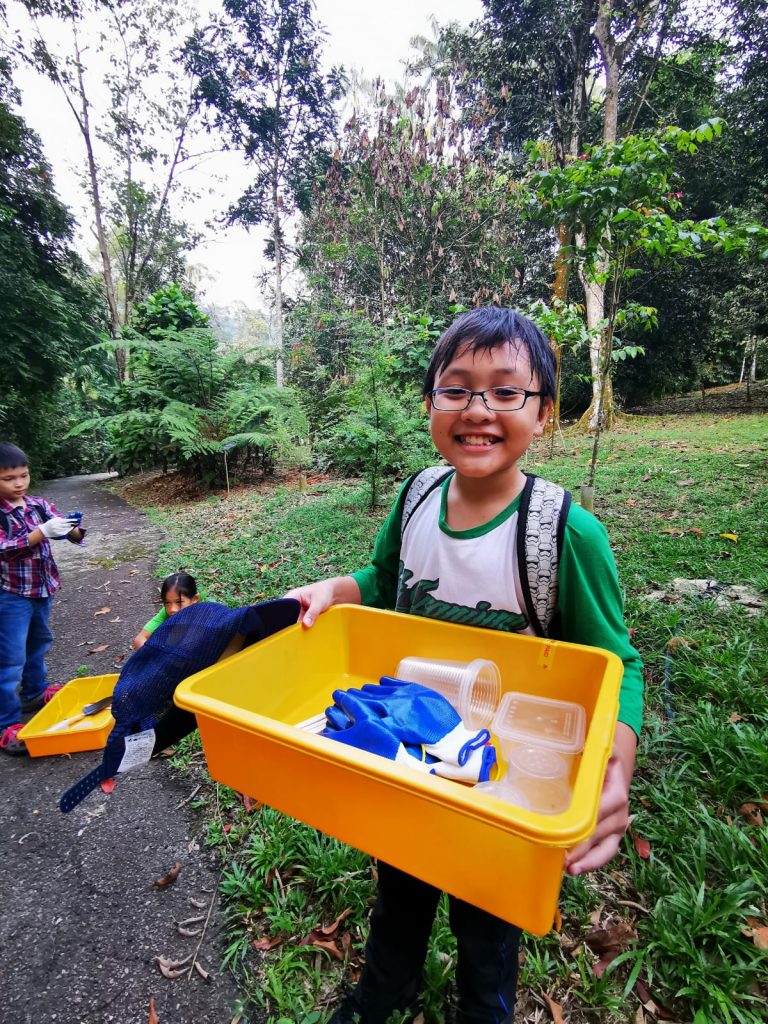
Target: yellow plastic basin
(88, 734)
(490, 853)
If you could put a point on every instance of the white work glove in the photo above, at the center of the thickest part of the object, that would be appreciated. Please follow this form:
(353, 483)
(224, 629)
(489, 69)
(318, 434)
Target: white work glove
(57, 527)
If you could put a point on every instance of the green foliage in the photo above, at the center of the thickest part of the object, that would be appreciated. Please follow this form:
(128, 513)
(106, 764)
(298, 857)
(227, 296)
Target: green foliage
(186, 404)
(48, 309)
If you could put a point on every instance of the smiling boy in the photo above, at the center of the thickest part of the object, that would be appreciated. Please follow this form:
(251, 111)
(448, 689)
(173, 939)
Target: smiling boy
(28, 580)
(489, 389)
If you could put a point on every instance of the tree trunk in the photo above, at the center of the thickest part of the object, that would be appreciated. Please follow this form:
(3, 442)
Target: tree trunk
(277, 232)
(98, 211)
(594, 303)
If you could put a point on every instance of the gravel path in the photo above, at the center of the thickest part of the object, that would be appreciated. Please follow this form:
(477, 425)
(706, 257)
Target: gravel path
(81, 922)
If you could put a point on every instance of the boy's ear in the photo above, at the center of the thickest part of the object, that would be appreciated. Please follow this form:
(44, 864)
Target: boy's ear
(545, 411)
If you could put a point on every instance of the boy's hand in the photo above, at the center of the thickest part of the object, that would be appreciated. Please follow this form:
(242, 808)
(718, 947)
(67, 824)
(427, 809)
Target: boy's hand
(57, 527)
(317, 598)
(314, 599)
(612, 821)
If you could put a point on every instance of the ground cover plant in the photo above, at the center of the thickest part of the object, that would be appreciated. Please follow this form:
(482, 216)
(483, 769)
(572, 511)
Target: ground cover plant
(676, 927)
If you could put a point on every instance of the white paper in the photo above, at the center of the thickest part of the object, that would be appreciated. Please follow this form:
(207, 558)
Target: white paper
(138, 749)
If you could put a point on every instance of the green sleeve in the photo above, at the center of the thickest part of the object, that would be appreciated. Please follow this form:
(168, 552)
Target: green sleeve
(378, 581)
(156, 620)
(592, 607)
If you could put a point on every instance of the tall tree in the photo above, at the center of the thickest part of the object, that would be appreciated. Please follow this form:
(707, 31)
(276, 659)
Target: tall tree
(259, 74)
(47, 309)
(135, 147)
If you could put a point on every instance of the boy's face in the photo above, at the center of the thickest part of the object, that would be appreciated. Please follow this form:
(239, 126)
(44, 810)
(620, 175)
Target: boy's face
(477, 441)
(14, 482)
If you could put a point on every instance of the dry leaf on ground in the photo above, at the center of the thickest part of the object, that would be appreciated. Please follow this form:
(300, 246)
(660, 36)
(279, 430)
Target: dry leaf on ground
(331, 928)
(169, 879)
(752, 814)
(172, 969)
(266, 944)
(99, 649)
(153, 1018)
(102, 611)
(202, 972)
(555, 1009)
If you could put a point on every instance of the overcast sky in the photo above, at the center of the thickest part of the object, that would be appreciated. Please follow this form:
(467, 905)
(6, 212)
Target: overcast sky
(372, 37)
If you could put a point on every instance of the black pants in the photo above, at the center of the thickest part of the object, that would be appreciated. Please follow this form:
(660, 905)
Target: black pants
(401, 923)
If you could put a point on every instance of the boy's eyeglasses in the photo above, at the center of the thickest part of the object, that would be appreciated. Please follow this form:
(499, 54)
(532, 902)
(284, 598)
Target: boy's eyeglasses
(503, 399)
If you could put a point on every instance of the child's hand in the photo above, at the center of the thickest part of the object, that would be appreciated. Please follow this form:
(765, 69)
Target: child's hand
(317, 598)
(612, 821)
(314, 599)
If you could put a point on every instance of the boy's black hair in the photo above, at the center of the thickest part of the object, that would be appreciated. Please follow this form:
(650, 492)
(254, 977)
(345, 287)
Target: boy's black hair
(184, 585)
(11, 456)
(486, 328)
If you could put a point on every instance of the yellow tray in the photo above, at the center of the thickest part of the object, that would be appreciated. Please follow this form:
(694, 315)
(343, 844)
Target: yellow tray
(497, 856)
(88, 734)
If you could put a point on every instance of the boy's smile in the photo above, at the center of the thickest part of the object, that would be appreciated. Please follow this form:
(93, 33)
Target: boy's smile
(14, 483)
(479, 442)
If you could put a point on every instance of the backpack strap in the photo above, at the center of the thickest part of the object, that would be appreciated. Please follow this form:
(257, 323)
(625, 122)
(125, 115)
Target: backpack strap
(418, 486)
(5, 518)
(541, 520)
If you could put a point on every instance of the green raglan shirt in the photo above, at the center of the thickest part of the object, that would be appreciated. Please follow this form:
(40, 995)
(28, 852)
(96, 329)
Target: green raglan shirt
(156, 620)
(589, 597)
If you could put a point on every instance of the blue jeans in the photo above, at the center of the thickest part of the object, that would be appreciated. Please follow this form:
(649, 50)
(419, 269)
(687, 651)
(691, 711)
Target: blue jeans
(24, 642)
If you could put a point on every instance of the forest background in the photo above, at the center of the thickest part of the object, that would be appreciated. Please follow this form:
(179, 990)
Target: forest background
(601, 166)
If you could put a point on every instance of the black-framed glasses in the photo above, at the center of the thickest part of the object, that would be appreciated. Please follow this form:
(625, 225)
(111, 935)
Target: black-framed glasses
(501, 399)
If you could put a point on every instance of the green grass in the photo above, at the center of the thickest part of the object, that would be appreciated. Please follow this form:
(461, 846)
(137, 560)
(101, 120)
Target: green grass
(667, 490)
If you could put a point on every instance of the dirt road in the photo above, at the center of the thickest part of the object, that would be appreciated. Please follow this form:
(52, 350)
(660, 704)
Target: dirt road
(81, 923)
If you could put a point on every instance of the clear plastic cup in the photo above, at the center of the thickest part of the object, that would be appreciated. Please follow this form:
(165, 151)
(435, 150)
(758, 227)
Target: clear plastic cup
(540, 795)
(472, 688)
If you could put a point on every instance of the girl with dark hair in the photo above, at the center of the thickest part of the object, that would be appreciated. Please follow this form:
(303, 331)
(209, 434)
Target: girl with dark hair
(178, 591)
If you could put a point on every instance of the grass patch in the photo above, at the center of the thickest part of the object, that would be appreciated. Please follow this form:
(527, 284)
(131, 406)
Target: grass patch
(681, 498)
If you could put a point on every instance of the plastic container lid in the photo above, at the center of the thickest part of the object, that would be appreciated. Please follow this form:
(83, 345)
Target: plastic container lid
(539, 762)
(557, 724)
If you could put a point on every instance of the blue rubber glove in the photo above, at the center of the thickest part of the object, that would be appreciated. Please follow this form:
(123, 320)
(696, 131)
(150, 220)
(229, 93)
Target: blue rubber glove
(420, 717)
(353, 722)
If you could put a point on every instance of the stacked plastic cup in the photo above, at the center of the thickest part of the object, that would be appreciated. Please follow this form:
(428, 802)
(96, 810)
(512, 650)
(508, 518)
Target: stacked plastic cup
(540, 740)
(472, 688)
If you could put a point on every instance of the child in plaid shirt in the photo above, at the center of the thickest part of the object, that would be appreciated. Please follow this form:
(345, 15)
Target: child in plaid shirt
(28, 580)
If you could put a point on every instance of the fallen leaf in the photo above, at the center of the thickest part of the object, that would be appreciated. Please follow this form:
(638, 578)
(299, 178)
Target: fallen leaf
(153, 1018)
(198, 903)
(646, 477)
(614, 938)
(107, 785)
(102, 611)
(733, 717)
(685, 483)
(696, 531)
(751, 812)
(758, 932)
(202, 972)
(639, 1016)
(172, 968)
(331, 928)
(677, 643)
(169, 879)
(555, 1009)
(731, 536)
(99, 649)
(118, 619)
(266, 944)
(672, 531)
(317, 943)
(642, 846)
(630, 502)
(250, 803)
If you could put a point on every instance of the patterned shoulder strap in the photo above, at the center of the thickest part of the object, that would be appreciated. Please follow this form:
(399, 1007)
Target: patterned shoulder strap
(541, 527)
(420, 485)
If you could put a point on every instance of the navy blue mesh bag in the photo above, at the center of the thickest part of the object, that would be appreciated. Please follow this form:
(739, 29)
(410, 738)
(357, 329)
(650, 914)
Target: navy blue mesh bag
(187, 642)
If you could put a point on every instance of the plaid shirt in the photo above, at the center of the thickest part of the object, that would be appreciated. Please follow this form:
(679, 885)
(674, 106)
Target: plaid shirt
(27, 571)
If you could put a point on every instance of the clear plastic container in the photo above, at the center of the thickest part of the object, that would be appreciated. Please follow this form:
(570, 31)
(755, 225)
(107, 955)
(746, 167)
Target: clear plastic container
(540, 740)
(472, 688)
(523, 720)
